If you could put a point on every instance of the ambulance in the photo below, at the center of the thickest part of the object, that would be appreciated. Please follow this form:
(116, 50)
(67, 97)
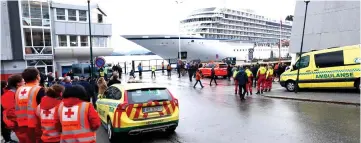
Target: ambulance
(135, 108)
(329, 68)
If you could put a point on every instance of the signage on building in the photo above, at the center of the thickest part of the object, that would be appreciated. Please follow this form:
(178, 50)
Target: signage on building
(99, 62)
(37, 57)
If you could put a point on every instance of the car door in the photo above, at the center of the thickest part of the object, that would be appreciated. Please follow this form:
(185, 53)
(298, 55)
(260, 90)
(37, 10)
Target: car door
(102, 107)
(305, 66)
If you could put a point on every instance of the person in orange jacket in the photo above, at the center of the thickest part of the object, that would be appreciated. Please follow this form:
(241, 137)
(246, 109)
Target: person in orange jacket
(198, 78)
(27, 98)
(8, 106)
(261, 76)
(47, 115)
(78, 118)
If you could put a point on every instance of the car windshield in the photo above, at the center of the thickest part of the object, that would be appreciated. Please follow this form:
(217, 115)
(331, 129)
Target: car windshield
(222, 65)
(210, 65)
(146, 95)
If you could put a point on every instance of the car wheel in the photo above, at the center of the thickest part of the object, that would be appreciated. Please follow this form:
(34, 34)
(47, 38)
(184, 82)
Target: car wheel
(171, 129)
(110, 132)
(290, 86)
(357, 85)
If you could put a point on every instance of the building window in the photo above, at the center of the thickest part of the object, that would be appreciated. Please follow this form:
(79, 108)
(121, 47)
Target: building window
(100, 18)
(27, 36)
(73, 41)
(38, 39)
(71, 15)
(62, 41)
(60, 14)
(100, 41)
(47, 37)
(82, 15)
(83, 41)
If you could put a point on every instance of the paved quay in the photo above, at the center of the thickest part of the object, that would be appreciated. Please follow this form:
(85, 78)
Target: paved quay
(216, 115)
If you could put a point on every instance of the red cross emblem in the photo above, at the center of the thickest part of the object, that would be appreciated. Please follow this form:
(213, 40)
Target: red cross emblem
(46, 112)
(23, 92)
(69, 113)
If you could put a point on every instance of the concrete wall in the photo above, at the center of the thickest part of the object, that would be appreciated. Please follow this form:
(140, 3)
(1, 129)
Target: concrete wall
(328, 24)
(5, 40)
(12, 67)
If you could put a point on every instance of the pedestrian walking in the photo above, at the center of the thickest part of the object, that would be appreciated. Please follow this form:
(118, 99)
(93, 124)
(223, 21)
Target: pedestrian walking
(47, 115)
(254, 70)
(162, 67)
(269, 79)
(78, 118)
(229, 72)
(235, 80)
(140, 70)
(198, 78)
(179, 69)
(25, 107)
(153, 71)
(169, 70)
(191, 72)
(250, 80)
(8, 120)
(261, 78)
(242, 81)
(213, 77)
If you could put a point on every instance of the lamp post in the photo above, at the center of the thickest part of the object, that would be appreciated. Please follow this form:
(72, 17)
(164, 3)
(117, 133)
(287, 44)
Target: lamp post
(303, 35)
(90, 44)
(179, 32)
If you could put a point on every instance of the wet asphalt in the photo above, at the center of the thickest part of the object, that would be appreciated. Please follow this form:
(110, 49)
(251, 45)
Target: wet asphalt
(216, 115)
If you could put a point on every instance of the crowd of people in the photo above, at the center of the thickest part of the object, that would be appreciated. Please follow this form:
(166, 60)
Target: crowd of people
(59, 111)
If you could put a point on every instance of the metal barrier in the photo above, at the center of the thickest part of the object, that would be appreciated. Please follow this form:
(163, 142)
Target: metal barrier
(147, 64)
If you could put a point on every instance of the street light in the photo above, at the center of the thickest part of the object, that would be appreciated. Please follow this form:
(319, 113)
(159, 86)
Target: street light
(303, 35)
(179, 31)
(90, 44)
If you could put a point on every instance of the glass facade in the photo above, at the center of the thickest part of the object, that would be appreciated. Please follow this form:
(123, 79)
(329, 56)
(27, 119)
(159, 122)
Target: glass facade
(37, 41)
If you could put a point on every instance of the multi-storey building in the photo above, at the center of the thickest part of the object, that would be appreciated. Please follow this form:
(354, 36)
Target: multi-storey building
(50, 36)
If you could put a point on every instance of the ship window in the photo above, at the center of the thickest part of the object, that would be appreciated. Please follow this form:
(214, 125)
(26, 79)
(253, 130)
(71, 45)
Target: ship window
(192, 40)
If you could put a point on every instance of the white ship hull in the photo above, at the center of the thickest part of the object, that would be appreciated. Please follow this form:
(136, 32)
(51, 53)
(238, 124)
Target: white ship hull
(200, 48)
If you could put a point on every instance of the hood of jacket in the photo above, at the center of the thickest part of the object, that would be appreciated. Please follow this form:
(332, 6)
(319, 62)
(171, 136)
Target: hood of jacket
(49, 102)
(69, 102)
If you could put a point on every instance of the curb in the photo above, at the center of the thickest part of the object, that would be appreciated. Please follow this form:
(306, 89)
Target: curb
(314, 100)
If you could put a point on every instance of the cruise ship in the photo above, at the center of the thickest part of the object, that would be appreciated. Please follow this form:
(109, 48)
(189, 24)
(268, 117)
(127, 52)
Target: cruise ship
(216, 33)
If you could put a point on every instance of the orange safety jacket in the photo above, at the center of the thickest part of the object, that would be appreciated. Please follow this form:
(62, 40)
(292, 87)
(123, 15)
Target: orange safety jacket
(25, 105)
(75, 124)
(49, 120)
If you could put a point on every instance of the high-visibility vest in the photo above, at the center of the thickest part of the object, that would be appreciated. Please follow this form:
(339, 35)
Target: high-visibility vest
(235, 73)
(249, 73)
(49, 120)
(25, 105)
(101, 74)
(262, 70)
(75, 124)
(269, 73)
(153, 68)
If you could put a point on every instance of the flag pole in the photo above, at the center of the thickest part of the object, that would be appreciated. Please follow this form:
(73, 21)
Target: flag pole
(279, 45)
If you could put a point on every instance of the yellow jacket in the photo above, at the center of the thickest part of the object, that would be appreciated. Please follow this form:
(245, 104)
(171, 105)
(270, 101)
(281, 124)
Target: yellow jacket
(269, 73)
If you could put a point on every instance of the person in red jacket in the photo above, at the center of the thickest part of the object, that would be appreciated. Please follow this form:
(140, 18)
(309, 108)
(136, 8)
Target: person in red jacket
(8, 106)
(47, 115)
(78, 118)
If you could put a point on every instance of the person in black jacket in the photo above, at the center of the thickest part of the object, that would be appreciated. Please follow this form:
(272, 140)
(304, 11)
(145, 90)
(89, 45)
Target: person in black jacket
(254, 70)
(113, 80)
(213, 77)
(242, 79)
(229, 72)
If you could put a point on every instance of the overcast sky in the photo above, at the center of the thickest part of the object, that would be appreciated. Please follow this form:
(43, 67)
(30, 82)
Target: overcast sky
(161, 16)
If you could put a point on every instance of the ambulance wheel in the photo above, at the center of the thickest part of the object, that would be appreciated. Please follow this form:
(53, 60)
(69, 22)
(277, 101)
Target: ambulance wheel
(290, 86)
(111, 135)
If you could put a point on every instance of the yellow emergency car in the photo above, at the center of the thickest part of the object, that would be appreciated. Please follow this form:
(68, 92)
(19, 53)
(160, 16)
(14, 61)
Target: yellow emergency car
(329, 68)
(135, 108)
